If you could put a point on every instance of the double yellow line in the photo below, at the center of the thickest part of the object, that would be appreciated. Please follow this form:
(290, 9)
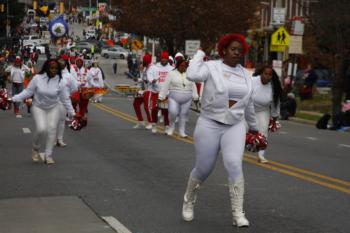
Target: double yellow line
(303, 174)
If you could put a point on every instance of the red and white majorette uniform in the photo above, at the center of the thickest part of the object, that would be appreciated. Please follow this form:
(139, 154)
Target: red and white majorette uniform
(139, 98)
(156, 76)
(80, 72)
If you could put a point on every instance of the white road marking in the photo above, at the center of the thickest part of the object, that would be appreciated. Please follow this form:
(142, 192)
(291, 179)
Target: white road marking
(26, 130)
(116, 225)
(344, 145)
(311, 138)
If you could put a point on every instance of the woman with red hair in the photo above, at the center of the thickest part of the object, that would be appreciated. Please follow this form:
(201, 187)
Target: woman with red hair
(226, 102)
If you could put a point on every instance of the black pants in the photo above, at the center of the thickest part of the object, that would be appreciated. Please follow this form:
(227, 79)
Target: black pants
(3, 82)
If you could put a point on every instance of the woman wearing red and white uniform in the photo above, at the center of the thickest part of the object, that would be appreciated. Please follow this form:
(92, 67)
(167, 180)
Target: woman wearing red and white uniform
(226, 102)
(72, 86)
(143, 95)
(267, 95)
(49, 90)
(79, 71)
(156, 77)
(181, 92)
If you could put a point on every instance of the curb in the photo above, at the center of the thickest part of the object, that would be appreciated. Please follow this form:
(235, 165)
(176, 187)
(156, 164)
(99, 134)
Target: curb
(303, 121)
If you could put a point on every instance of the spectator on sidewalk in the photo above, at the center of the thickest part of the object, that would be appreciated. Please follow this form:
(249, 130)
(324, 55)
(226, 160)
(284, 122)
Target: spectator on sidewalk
(288, 107)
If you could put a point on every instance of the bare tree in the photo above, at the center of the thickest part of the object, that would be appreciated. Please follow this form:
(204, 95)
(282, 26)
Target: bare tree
(330, 25)
(175, 21)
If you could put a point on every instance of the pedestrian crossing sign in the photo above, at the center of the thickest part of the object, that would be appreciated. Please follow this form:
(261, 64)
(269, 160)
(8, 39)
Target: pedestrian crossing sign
(280, 37)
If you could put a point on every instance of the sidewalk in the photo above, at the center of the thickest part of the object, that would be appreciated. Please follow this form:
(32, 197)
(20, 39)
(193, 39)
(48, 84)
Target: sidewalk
(50, 215)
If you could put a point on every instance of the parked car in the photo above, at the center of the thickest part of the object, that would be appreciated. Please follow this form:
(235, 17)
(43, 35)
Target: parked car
(32, 39)
(84, 45)
(115, 52)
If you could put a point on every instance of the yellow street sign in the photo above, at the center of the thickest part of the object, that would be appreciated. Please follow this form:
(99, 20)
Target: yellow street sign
(280, 37)
(277, 48)
(136, 44)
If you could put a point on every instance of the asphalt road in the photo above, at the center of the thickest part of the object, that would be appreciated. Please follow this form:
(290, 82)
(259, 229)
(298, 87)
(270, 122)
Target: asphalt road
(139, 178)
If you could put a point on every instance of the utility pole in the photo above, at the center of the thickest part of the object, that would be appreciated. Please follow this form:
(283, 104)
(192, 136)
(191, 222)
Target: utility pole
(90, 11)
(7, 19)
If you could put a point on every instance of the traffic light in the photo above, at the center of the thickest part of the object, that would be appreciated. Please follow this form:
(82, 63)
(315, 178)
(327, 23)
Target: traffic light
(2, 7)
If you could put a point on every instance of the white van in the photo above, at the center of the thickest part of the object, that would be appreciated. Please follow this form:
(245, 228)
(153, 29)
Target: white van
(32, 39)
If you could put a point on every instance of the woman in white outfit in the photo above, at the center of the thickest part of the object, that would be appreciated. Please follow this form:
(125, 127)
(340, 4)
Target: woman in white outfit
(49, 90)
(72, 86)
(181, 92)
(95, 79)
(267, 95)
(226, 102)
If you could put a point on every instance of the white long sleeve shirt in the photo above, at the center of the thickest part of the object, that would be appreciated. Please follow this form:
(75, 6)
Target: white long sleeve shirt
(263, 97)
(47, 93)
(159, 73)
(177, 81)
(94, 77)
(71, 82)
(17, 73)
(215, 99)
(80, 75)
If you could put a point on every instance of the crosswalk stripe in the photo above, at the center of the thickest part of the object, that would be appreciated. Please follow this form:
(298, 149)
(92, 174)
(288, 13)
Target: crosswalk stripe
(116, 225)
(26, 130)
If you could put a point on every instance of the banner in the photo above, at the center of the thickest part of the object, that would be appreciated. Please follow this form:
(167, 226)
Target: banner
(58, 27)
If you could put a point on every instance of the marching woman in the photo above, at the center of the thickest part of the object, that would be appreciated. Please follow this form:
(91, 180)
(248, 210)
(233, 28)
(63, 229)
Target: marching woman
(72, 86)
(140, 96)
(266, 96)
(49, 90)
(94, 79)
(156, 77)
(181, 92)
(226, 101)
(79, 71)
(17, 75)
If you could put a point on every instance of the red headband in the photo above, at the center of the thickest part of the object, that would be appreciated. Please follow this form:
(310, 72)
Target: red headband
(52, 62)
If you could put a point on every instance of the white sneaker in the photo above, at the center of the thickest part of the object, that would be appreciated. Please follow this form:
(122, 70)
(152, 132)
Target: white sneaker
(18, 116)
(154, 128)
(49, 161)
(170, 130)
(183, 135)
(149, 126)
(60, 143)
(36, 156)
(139, 125)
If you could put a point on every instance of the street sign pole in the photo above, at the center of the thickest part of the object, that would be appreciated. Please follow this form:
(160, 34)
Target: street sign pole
(7, 19)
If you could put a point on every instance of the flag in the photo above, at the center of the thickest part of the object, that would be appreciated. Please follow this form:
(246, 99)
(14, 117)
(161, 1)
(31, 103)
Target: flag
(58, 27)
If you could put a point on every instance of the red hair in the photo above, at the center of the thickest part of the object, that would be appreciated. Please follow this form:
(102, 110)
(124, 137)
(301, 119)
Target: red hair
(226, 40)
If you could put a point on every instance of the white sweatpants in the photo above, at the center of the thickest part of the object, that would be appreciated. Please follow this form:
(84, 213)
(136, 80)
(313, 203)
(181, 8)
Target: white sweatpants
(46, 121)
(179, 105)
(263, 121)
(61, 123)
(209, 138)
